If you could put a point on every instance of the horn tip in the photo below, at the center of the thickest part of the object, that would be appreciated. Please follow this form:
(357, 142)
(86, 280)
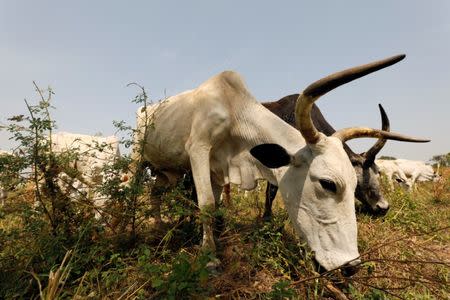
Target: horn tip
(396, 58)
(381, 108)
(421, 140)
(400, 56)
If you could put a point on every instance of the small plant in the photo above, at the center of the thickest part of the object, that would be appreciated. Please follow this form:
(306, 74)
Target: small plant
(282, 290)
(188, 277)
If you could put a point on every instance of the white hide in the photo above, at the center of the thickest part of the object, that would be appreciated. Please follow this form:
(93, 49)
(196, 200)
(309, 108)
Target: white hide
(417, 170)
(408, 171)
(330, 217)
(94, 153)
(392, 171)
(211, 130)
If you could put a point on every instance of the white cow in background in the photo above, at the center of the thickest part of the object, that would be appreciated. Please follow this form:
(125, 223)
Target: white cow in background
(417, 171)
(392, 172)
(93, 154)
(406, 171)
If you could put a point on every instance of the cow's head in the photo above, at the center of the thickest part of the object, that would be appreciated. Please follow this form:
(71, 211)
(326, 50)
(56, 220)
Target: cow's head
(318, 182)
(427, 173)
(368, 189)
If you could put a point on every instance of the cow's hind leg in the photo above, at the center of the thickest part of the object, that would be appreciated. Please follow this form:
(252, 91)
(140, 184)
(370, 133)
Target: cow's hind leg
(157, 191)
(218, 191)
(271, 192)
(226, 195)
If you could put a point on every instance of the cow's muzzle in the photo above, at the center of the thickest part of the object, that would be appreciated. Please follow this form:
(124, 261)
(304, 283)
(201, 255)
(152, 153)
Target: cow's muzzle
(347, 270)
(351, 268)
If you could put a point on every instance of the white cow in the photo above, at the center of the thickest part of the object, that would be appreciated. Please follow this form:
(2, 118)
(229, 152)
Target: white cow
(223, 135)
(93, 154)
(416, 171)
(392, 172)
(407, 171)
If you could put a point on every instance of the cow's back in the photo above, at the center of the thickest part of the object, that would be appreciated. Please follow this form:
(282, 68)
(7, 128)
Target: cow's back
(235, 123)
(172, 121)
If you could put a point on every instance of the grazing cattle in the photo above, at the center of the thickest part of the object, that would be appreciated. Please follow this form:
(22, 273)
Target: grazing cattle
(368, 187)
(92, 154)
(407, 171)
(223, 135)
(392, 171)
(417, 171)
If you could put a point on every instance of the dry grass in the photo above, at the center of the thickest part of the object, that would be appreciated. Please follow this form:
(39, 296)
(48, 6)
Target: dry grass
(406, 255)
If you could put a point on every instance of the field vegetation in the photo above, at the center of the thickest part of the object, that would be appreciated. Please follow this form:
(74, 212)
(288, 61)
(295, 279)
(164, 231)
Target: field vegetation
(53, 247)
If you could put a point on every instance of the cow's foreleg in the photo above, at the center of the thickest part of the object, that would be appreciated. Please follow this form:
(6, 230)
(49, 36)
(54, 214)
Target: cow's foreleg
(199, 158)
(412, 183)
(207, 133)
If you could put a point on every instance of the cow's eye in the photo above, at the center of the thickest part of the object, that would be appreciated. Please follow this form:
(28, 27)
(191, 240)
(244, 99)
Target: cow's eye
(328, 185)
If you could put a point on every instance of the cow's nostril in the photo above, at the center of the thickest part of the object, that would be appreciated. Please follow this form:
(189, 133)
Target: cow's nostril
(382, 210)
(318, 267)
(351, 268)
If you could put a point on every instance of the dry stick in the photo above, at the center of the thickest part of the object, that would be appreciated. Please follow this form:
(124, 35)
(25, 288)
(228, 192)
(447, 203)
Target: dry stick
(36, 277)
(403, 287)
(79, 286)
(311, 278)
(128, 289)
(429, 286)
(140, 287)
(400, 261)
(433, 262)
(380, 289)
(398, 278)
(338, 294)
(323, 275)
(370, 250)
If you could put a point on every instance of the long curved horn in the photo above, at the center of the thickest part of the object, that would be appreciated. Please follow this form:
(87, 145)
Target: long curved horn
(358, 132)
(326, 84)
(370, 154)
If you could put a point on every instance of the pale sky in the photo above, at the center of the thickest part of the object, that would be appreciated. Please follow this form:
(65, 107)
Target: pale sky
(88, 51)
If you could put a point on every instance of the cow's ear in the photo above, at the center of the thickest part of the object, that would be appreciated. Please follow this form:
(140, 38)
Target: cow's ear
(271, 155)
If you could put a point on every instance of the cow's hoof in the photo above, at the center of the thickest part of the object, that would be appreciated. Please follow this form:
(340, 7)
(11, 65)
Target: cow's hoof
(267, 218)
